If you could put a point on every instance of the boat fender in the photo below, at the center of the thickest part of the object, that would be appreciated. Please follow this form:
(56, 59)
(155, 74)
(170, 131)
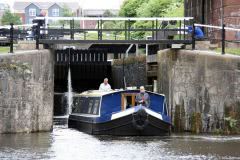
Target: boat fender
(140, 126)
(142, 119)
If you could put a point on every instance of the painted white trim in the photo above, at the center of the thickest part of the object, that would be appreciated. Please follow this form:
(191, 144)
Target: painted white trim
(123, 113)
(21, 25)
(217, 27)
(132, 110)
(232, 29)
(208, 26)
(154, 114)
(84, 115)
(100, 107)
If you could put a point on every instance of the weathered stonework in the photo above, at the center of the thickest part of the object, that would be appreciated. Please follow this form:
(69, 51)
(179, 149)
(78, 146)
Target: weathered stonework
(204, 83)
(26, 91)
(134, 71)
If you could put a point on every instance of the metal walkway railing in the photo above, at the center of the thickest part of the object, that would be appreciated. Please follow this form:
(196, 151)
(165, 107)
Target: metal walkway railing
(159, 31)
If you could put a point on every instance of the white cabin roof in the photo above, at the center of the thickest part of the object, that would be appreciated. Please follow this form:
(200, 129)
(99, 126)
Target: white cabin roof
(98, 93)
(95, 93)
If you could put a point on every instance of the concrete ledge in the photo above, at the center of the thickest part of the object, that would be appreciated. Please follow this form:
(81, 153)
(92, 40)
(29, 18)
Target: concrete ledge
(27, 45)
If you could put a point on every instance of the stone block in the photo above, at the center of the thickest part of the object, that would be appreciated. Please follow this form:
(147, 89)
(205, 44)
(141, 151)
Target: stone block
(26, 91)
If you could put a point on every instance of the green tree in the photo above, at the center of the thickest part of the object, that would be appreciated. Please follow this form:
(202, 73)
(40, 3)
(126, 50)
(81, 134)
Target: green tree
(176, 9)
(129, 8)
(141, 25)
(9, 17)
(108, 13)
(67, 11)
(150, 8)
(153, 8)
(113, 25)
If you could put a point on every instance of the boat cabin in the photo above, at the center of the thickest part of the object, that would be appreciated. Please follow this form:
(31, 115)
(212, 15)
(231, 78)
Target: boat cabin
(117, 113)
(105, 103)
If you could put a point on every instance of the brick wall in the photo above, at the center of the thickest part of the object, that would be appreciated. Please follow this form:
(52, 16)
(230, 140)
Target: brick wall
(209, 12)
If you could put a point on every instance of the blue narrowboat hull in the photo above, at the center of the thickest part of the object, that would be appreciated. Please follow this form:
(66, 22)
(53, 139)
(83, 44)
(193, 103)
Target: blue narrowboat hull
(136, 121)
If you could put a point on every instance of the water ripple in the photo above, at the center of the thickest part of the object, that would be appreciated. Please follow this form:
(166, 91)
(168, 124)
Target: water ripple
(64, 143)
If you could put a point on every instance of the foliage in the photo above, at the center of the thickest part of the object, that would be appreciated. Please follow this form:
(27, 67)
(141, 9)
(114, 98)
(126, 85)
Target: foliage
(9, 17)
(235, 51)
(67, 11)
(232, 122)
(129, 8)
(4, 50)
(130, 60)
(153, 8)
(113, 25)
(108, 13)
(141, 25)
(175, 10)
(232, 118)
(179, 118)
(150, 8)
(196, 122)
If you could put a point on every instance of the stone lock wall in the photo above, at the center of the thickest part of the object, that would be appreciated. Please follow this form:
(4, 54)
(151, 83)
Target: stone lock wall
(26, 91)
(134, 70)
(202, 89)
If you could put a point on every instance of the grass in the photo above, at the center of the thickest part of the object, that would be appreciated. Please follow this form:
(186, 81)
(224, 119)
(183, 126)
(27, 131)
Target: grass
(4, 49)
(235, 51)
(94, 36)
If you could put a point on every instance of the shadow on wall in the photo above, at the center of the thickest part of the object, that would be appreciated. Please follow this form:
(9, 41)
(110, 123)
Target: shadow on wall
(134, 70)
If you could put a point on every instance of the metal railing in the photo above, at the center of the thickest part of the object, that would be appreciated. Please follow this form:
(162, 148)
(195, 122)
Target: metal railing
(12, 33)
(162, 30)
(158, 27)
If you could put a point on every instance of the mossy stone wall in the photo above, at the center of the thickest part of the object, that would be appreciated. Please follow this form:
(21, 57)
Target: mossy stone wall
(203, 84)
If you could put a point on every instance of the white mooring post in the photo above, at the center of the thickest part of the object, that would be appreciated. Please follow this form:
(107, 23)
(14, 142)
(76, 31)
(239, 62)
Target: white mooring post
(137, 50)
(146, 49)
(154, 85)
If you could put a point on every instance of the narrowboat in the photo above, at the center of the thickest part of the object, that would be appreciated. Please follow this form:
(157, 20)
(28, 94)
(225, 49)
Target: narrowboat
(116, 113)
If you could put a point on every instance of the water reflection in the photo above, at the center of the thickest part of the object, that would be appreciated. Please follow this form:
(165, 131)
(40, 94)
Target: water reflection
(64, 143)
(25, 146)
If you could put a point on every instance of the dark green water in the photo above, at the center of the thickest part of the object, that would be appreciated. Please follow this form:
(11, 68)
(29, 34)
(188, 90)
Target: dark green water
(64, 144)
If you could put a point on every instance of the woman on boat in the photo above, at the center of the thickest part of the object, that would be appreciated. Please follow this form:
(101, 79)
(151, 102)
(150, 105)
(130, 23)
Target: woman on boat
(143, 98)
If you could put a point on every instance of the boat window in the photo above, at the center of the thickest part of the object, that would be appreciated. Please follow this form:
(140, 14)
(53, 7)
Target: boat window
(75, 103)
(128, 100)
(95, 107)
(90, 106)
(86, 105)
(81, 103)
